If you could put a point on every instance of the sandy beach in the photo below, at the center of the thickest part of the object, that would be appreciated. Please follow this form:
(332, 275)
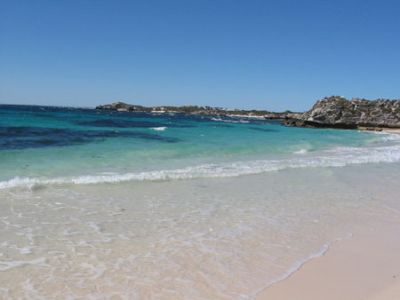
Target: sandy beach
(392, 130)
(363, 267)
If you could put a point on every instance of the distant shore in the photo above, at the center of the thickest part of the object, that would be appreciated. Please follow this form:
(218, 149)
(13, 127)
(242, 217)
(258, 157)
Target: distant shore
(199, 110)
(329, 112)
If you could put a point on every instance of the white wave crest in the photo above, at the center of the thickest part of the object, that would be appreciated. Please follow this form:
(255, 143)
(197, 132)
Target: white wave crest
(338, 157)
(240, 121)
(162, 128)
(301, 151)
(387, 136)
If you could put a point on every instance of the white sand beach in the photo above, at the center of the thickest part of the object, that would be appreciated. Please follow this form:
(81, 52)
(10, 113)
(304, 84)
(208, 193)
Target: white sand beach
(365, 267)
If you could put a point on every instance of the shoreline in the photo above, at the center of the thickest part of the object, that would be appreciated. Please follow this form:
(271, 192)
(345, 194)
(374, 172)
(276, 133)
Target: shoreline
(311, 219)
(223, 215)
(392, 130)
(364, 267)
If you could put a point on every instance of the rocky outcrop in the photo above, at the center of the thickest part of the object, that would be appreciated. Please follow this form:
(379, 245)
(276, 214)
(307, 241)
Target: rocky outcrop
(338, 112)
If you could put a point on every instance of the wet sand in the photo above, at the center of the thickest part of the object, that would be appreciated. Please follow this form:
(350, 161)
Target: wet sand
(392, 130)
(364, 267)
(230, 238)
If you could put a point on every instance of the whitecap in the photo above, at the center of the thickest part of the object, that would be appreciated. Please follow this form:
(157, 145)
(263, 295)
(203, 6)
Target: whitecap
(301, 151)
(240, 121)
(387, 136)
(162, 128)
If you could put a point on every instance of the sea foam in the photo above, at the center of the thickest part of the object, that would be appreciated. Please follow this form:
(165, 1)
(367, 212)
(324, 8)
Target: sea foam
(336, 157)
(301, 151)
(162, 128)
(240, 121)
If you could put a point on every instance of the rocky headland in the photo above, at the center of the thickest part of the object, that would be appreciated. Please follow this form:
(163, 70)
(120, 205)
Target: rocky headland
(339, 112)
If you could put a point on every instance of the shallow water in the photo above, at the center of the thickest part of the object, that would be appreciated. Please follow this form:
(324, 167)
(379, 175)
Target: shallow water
(150, 219)
(223, 238)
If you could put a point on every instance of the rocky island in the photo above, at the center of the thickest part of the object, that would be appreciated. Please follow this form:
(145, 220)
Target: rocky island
(200, 110)
(339, 112)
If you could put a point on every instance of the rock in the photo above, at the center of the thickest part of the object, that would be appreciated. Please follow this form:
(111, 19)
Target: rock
(338, 112)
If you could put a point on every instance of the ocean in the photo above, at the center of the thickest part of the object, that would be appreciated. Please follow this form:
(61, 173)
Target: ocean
(120, 205)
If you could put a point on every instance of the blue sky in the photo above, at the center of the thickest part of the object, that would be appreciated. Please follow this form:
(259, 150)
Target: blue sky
(247, 54)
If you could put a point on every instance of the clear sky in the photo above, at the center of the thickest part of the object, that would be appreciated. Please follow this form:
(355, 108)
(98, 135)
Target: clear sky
(267, 54)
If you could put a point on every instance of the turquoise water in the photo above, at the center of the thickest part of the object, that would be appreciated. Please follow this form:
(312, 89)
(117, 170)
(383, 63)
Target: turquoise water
(112, 205)
(42, 143)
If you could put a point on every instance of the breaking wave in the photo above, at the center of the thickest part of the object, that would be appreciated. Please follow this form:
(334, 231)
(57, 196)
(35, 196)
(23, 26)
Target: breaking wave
(240, 121)
(337, 157)
(162, 128)
(301, 151)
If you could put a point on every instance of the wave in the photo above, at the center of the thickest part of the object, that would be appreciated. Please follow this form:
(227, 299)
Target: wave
(337, 157)
(301, 151)
(295, 268)
(230, 121)
(300, 263)
(388, 136)
(162, 128)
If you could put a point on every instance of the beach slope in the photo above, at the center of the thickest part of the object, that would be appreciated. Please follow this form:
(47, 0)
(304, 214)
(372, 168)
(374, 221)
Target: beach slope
(364, 267)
